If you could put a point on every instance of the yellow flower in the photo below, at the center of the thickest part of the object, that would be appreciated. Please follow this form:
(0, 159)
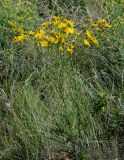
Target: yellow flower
(71, 23)
(61, 38)
(39, 34)
(53, 32)
(56, 18)
(54, 23)
(101, 21)
(44, 43)
(45, 24)
(70, 49)
(19, 38)
(51, 39)
(71, 46)
(68, 22)
(87, 43)
(69, 30)
(95, 41)
(60, 48)
(77, 33)
(88, 34)
(106, 25)
(62, 25)
(31, 32)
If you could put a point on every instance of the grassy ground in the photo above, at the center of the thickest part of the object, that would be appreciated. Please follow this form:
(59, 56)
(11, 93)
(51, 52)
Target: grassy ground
(61, 105)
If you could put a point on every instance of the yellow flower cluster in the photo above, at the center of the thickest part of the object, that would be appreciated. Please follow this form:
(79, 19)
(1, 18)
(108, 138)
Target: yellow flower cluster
(58, 32)
(19, 38)
(61, 33)
(101, 24)
(90, 38)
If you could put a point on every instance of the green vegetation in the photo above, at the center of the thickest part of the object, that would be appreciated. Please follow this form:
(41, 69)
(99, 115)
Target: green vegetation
(61, 92)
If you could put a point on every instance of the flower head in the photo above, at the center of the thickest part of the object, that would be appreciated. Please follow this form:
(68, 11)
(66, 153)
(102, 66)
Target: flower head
(31, 32)
(69, 30)
(87, 43)
(106, 25)
(39, 34)
(62, 25)
(19, 38)
(70, 49)
(44, 43)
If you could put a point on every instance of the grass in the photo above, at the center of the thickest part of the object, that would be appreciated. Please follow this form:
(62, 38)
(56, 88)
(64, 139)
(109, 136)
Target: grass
(59, 106)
